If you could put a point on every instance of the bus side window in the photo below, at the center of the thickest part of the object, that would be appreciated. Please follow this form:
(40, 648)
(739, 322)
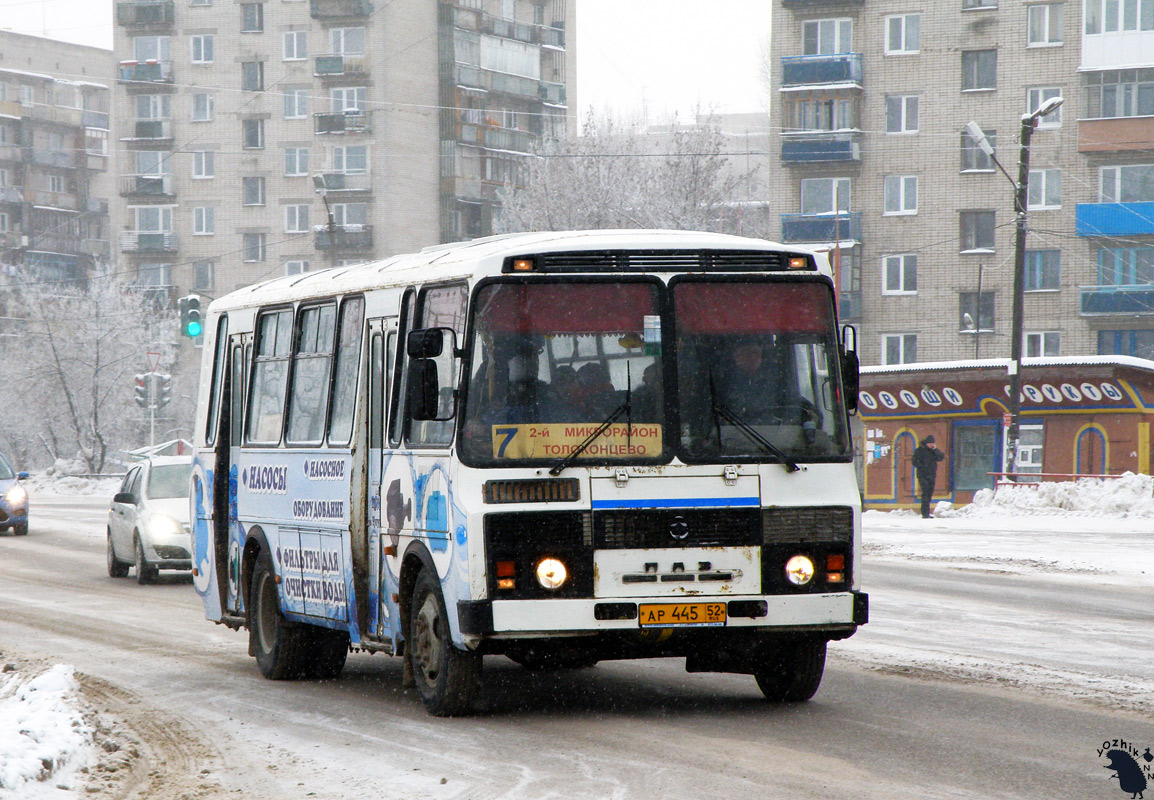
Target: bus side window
(396, 417)
(213, 423)
(441, 307)
(376, 392)
(269, 377)
(311, 373)
(345, 372)
(236, 403)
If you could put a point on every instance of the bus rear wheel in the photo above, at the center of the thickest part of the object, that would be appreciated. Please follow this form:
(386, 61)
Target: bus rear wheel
(280, 646)
(447, 679)
(790, 673)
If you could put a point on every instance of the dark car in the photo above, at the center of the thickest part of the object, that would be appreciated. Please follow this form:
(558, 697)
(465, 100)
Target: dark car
(13, 500)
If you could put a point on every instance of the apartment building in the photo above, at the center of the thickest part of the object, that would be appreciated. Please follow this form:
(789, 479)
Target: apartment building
(872, 103)
(277, 137)
(54, 151)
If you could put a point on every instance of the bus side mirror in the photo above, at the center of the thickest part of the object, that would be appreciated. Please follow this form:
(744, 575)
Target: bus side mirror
(850, 367)
(431, 342)
(424, 388)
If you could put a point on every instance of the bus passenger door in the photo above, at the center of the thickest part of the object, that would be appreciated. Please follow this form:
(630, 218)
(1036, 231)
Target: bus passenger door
(382, 609)
(229, 539)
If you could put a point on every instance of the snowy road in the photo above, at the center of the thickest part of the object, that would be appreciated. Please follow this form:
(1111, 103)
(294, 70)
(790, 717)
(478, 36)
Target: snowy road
(983, 673)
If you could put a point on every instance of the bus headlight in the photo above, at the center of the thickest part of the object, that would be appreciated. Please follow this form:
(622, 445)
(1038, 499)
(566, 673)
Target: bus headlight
(551, 573)
(799, 570)
(16, 496)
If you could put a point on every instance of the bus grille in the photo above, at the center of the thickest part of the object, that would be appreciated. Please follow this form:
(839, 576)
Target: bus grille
(660, 528)
(807, 524)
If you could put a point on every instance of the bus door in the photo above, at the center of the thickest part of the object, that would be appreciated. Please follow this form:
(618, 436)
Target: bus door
(229, 541)
(382, 583)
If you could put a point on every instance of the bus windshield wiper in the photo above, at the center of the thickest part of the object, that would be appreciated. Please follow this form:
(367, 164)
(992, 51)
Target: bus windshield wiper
(721, 412)
(625, 408)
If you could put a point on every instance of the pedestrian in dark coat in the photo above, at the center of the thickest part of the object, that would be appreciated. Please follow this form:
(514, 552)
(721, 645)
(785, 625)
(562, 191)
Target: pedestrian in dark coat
(926, 458)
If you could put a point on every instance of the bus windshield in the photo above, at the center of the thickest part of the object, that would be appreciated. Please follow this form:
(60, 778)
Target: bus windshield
(553, 361)
(755, 375)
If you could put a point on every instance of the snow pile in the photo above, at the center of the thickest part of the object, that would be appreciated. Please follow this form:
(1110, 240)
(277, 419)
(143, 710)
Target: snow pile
(67, 477)
(43, 736)
(1127, 496)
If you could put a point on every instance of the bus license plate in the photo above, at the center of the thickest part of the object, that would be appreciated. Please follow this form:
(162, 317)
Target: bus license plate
(681, 615)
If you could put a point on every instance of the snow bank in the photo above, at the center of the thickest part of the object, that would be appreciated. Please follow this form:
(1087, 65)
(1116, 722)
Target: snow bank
(1127, 496)
(43, 735)
(65, 477)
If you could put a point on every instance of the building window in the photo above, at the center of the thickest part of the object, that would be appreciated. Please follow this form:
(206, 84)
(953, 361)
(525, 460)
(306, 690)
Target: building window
(254, 247)
(347, 98)
(900, 274)
(296, 219)
(200, 2)
(202, 48)
(1137, 343)
(1044, 24)
(976, 5)
(1034, 100)
(253, 133)
(1043, 270)
(974, 159)
(1045, 189)
(1111, 16)
(1119, 93)
(1127, 184)
(903, 34)
(347, 41)
(977, 231)
(295, 267)
(352, 159)
(252, 17)
(1126, 266)
(150, 48)
(154, 275)
(202, 107)
(296, 161)
(899, 348)
(1042, 343)
(204, 276)
(902, 113)
(252, 191)
(346, 214)
(295, 46)
(900, 194)
(203, 164)
(96, 141)
(823, 37)
(5, 225)
(296, 103)
(203, 221)
(968, 307)
(153, 162)
(824, 195)
(252, 76)
(979, 70)
(56, 183)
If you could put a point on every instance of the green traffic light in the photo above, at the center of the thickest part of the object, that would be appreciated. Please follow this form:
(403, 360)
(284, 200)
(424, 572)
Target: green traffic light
(193, 328)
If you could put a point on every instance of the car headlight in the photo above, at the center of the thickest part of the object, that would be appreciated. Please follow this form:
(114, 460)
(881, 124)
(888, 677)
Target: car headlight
(163, 525)
(551, 573)
(799, 570)
(16, 496)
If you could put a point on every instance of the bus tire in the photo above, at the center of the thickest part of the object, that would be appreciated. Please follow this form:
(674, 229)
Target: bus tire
(791, 673)
(448, 679)
(328, 650)
(145, 573)
(280, 647)
(116, 567)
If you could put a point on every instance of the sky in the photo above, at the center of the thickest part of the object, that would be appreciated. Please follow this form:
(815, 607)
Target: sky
(658, 55)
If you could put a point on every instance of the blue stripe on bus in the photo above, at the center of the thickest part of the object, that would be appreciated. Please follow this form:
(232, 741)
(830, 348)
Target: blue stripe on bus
(681, 502)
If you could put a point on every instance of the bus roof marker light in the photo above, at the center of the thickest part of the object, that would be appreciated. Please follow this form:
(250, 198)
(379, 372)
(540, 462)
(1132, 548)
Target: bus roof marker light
(523, 265)
(798, 262)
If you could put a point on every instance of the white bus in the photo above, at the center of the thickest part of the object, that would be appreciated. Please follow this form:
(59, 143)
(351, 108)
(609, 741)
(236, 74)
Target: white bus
(558, 447)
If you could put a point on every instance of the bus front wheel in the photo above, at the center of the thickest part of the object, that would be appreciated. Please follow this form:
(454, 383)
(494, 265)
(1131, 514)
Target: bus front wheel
(280, 646)
(448, 679)
(791, 672)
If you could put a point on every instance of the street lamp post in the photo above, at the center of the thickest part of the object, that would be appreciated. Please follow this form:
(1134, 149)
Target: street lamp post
(1021, 202)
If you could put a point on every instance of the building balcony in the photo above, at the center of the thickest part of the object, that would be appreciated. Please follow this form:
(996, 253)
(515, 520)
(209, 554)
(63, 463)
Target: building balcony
(11, 108)
(849, 306)
(339, 9)
(157, 187)
(1114, 219)
(820, 146)
(344, 237)
(797, 228)
(840, 68)
(55, 242)
(475, 77)
(60, 115)
(340, 65)
(94, 119)
(551, 93)
(145, 12)
(554, 37)
(497, 138)
(11, 194)
(1114, 299)
(146, 72)
(152, 130)
(1115, 135)
(148, 242)
(12, 152)
(510, 29)
(53, 158)
(352, 121)
(43, 197)
(816, 4)
(97, 248)
(348, 182)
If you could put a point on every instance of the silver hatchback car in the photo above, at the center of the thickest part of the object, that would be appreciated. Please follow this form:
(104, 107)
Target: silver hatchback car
(148, 520)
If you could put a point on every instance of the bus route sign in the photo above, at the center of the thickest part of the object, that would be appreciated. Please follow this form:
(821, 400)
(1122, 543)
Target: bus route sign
(557, 440)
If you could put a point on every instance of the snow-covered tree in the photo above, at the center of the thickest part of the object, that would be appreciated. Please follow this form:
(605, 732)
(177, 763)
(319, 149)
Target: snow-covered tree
(623, 175)
(69, 356)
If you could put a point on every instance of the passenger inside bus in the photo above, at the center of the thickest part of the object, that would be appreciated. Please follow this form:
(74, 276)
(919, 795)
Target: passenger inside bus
(647, 399)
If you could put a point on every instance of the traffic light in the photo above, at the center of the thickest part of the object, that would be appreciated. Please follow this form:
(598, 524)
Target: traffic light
(141, 391)
(190, 324)
(163, 389)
